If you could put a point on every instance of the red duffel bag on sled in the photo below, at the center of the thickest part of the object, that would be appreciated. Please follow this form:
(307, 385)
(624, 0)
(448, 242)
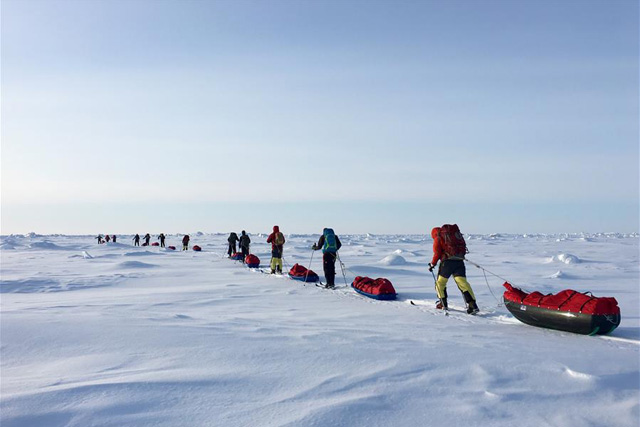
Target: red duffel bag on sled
(252, 261)
(299, 272)
(568, 310)
(380, 288)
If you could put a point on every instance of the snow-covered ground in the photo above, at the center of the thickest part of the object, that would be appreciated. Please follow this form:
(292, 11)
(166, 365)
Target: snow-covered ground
(112, 335)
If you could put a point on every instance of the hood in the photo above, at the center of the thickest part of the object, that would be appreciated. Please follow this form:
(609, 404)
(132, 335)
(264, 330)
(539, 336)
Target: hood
(276, 229)
(435, 232)
(243, 232)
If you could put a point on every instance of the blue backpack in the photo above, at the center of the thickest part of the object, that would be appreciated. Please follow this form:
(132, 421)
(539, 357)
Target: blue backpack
(329, 241)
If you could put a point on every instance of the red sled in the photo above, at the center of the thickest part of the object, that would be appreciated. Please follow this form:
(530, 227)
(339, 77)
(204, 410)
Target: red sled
(197, 248)
(173, 248)
(155, 244)
(299, 272)
(236, 256)
(568, 310)
(380, 289)
(252, 261)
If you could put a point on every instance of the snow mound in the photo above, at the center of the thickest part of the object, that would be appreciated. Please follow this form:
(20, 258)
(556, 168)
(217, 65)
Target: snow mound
(393, 259)
(44, 245)
(135, 264)
(145, 253)
(566, 259)
(558, 275)
(86, 255)
(8, 244)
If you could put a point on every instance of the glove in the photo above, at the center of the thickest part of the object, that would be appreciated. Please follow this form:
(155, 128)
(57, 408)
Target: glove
(431, 267)
(314, 247)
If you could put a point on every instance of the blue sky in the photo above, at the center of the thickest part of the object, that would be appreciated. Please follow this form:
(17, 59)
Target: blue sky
(376, 116)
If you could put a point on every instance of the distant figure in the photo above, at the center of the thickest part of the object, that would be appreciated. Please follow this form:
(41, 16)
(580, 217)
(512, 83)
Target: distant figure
(450, 248)
(245, 242)
(161, 237)
(136, 240)
(99, 239)
(233, 238)
(147, 238)
(277, 246)
(330, 245)
(185, 242)
(113, 238)
(107, 238)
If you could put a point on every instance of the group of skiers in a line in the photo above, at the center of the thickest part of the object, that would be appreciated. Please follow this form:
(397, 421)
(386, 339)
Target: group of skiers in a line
(329, 243)
(106, 239)
(146, 238)
(449, 249)
(162, 238)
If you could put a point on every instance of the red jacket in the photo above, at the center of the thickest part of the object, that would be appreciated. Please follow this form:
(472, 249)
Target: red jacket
(272, 238)
(438, 250)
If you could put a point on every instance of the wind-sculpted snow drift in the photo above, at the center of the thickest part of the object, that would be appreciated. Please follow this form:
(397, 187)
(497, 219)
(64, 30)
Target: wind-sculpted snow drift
(145, 336)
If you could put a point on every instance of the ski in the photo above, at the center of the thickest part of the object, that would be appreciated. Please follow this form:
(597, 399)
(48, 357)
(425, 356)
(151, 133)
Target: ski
(446, 310)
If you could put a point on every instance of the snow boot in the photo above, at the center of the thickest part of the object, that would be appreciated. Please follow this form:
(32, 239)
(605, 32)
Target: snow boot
(472, 307)
(273, 271)
(441, 304)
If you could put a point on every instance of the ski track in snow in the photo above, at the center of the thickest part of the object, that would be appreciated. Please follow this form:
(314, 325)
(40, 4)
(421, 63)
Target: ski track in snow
(114, 335)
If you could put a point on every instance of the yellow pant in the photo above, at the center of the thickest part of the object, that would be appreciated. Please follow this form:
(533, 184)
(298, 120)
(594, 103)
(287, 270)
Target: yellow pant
(463, 285)
(276, 262)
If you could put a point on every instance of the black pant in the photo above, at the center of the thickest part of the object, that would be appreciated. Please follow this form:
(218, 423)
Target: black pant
(245, 252)
(329, 267)
(450, 267)
(232, 249)
(162, 243)
(136, 243)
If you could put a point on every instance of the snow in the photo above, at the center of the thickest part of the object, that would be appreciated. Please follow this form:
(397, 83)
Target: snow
(566, 258)
(145, 336)
(393, 259)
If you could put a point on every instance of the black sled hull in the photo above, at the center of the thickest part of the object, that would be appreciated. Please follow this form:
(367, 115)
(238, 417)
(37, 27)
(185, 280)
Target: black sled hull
(579, 323)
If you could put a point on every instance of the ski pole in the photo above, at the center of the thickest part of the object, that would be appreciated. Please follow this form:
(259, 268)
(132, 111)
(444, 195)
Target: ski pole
(307, 275)
(342, 268)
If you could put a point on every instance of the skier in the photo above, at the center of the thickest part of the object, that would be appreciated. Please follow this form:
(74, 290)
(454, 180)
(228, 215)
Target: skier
(99, 239)
(277, 246)
(107, 238)
(136, 240)
(161, 237)
(185, 242)
(233, 238)
(113, 238)
(245, 242)
(330, 245)
(450, 248)
(147, 238)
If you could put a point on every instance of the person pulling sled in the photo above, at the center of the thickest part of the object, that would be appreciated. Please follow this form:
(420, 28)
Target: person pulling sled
(233, 239)
(450, 248)
(330, 245)
(245, 243)
(277, 247)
